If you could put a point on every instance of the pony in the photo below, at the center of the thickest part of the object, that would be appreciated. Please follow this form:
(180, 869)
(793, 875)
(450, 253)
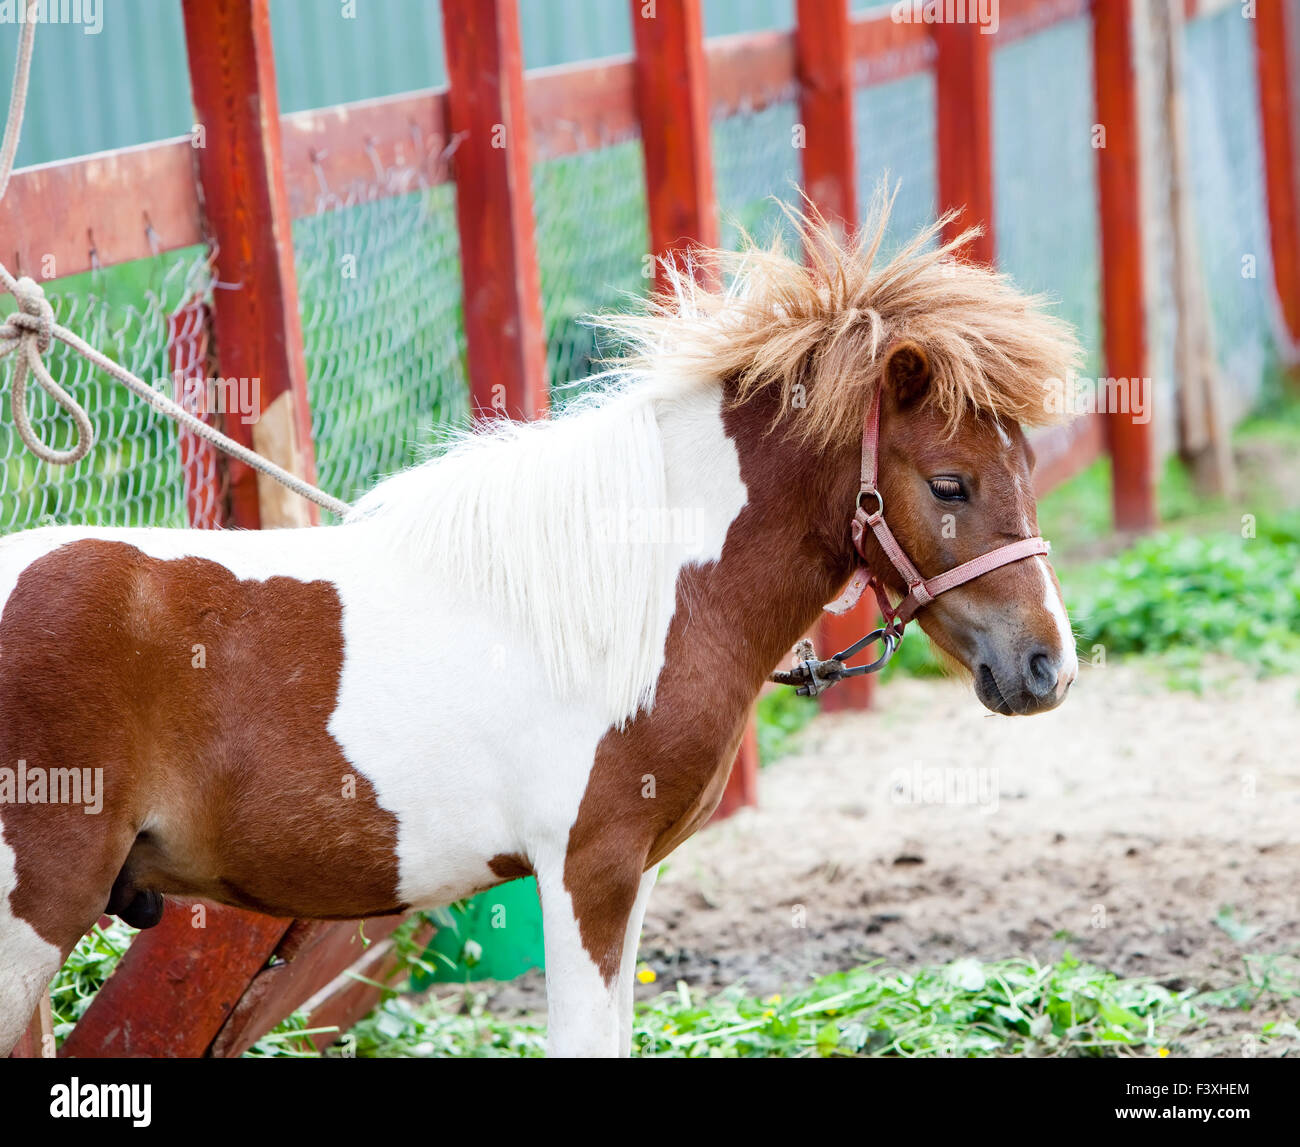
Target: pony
(535, 653)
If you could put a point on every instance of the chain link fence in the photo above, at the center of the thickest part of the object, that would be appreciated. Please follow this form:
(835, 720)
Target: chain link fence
(379, 293)
(756, 161)
(593, 249)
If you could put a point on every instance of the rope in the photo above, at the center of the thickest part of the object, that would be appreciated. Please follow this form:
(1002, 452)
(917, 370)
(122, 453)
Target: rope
(29, 333)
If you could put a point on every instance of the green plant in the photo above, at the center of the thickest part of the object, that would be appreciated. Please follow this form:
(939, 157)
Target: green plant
(1188, 595)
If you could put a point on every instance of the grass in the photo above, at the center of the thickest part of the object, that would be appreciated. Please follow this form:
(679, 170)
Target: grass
(965, 1009)
(83, 974)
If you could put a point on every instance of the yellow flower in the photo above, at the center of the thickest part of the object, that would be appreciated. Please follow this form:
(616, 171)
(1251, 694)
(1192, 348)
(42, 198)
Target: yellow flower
(646, 975)
(767, 1015)
(669, 1029)
(1164, 1051)
(832, 1011)
(776, 999)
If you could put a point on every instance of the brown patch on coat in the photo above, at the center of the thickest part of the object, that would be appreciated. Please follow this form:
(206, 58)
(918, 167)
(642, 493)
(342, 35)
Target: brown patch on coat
(787, 553)
(510, 866)
(220, 782)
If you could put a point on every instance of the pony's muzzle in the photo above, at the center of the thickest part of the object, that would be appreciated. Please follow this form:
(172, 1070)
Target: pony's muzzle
(1034, 682)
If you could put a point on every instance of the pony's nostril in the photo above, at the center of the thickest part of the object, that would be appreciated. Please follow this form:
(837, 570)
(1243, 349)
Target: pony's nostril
(1042, 673)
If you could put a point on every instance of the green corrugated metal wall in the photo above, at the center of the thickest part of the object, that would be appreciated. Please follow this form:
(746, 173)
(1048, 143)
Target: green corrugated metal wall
(127, 83)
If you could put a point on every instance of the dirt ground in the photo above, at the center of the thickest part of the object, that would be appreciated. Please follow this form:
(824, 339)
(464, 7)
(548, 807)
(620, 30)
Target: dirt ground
(1119, 826)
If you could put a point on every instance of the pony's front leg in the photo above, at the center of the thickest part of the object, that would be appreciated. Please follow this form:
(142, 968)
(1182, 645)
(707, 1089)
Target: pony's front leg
(587, 933)
(627, 972)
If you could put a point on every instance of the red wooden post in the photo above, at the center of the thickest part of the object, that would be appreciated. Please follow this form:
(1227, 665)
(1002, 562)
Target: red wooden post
(672, 94)
(964, 130)
(824, 64)
(494, 208)
(1275, 76)
(1123, 297)
(258, 331)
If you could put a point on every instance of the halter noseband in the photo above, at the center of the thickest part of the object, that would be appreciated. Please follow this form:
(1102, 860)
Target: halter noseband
(813, 676)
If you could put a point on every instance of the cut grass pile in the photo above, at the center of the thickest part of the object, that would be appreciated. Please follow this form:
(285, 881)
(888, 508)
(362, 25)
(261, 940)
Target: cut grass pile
(964, 1010)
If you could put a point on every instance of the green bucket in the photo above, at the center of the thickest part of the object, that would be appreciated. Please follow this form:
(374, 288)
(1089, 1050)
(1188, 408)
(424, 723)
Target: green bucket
(496, 935)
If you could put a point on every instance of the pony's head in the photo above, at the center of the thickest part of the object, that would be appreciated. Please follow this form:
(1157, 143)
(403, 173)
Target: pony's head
(955, 491)
(959, 361)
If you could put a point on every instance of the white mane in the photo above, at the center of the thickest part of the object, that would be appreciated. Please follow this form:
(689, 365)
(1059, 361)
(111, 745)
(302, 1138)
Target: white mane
(533, 519)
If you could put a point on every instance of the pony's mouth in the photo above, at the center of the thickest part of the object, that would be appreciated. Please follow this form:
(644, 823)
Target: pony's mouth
(986, 689)
(1008, 702)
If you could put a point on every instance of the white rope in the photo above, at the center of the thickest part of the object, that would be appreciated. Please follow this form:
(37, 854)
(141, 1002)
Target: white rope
(29, 333)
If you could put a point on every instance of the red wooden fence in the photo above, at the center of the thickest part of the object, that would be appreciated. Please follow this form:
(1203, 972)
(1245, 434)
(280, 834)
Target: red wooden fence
(224, 984)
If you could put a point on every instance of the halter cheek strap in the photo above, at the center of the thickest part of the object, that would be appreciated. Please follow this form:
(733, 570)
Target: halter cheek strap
(814, 676)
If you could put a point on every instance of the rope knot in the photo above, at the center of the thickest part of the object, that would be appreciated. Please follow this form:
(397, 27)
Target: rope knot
(34, 315)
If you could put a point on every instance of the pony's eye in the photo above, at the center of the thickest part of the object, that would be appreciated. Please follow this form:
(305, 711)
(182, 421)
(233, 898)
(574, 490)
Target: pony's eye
(948, 489)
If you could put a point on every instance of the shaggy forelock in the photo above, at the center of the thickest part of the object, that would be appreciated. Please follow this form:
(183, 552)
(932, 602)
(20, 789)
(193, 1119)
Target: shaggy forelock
(818, 330)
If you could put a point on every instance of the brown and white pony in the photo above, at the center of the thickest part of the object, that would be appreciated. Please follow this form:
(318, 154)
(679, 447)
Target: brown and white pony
(535, 653)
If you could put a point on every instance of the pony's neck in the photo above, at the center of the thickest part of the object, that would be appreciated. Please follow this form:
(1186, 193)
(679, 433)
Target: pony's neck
(787, 552)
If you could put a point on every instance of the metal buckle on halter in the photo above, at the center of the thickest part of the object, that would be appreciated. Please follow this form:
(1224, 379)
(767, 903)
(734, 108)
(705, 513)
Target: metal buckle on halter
(873, 518)
(813, 677)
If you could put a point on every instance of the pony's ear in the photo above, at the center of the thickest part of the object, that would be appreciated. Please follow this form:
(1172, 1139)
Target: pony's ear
(907, 373)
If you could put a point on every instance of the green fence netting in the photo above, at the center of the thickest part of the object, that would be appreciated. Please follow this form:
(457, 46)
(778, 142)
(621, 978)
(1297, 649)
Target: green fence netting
(379, 293)
(593, 251)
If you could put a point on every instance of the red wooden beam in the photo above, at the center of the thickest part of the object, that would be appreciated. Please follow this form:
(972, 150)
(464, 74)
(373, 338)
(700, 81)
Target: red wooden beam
(885, 50)
(749, 72)
(311, 954)
(824, 63)
(964, 131)
(329, 150)
(1277, 81)
(174, 988)
(258, 331)
(1065, 450)
(1123, 296)
(66, 218)
(494, 207)
(673, 105)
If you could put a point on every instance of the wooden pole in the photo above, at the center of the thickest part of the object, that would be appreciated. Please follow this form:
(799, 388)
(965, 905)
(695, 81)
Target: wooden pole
(255, 317)
(1276, 78)
(824, 64)
(494, 208)
(1123, 299)
(964, 130)
(673, 105)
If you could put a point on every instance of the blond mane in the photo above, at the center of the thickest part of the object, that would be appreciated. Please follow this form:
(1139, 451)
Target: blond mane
(816, 330)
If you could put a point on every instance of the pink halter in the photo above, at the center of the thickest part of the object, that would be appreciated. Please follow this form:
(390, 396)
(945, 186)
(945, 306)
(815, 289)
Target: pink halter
(813, 676)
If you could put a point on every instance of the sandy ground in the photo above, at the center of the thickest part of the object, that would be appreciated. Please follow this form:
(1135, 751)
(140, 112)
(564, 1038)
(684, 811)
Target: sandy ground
(1119, 826)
